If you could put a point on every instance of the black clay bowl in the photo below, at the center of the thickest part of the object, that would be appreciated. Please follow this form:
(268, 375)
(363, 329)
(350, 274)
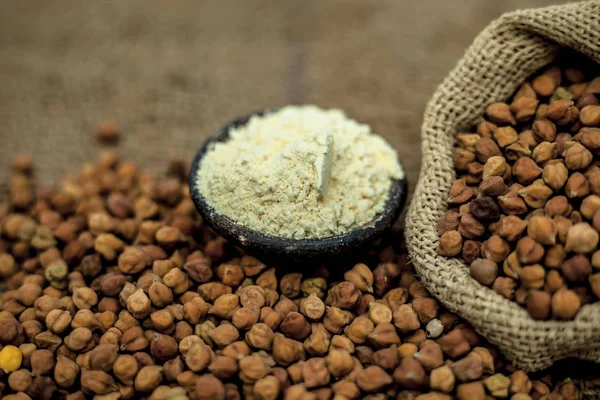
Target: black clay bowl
(284, 248)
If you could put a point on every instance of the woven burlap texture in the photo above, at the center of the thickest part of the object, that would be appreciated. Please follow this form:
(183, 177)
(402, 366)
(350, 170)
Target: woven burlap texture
(500, 59)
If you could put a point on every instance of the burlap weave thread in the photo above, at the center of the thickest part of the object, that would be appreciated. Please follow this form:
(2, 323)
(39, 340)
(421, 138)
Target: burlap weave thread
(503, 55)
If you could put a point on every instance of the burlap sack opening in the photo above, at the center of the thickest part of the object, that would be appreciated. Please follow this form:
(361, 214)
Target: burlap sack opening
(507, 52)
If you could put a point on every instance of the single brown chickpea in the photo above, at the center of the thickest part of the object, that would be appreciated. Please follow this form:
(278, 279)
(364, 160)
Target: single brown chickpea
(65, 372)
(162, 321)
(138, 304)
(58, 321)
(260, 336)
(173, 368)
(42, 362)
(19, 380)
(125, 368)
(163, 347)
(148, 378)
(84, 298)
(97, 382)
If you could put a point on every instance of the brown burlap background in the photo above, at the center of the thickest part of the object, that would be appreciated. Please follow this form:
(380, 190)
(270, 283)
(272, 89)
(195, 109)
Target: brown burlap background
(501, 57)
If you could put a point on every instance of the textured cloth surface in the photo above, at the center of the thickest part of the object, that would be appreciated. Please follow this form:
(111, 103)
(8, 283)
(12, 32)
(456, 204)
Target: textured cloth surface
(500, 59)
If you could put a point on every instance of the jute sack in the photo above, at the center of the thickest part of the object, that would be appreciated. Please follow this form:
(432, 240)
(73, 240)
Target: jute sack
(507, 52)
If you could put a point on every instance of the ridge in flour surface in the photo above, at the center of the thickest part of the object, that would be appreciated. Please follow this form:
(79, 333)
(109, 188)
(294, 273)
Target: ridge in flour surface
(300, 172)
(318, 146)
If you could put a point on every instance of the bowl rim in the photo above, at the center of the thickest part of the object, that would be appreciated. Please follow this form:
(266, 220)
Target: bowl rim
(267, 243)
